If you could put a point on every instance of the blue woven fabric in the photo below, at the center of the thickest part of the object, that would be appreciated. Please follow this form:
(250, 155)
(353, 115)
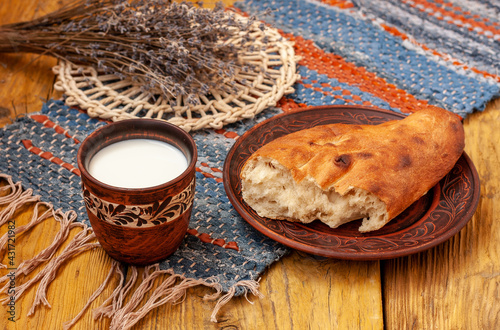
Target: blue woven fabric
(314, 97)
(357, 35)
(213, 214)
(381, 53)
(446, 32)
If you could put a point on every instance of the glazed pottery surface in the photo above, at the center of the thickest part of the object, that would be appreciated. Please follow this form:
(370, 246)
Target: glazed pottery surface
(139, 225)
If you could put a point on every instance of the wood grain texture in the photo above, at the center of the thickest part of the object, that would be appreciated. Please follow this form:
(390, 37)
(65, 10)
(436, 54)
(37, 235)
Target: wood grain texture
(452, 286)
(70, 290)
(26, 80)
(456, 284)
(300, 291)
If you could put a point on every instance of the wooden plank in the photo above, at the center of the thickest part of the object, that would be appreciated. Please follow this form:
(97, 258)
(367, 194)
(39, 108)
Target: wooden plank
(26, 80)
(455, 285)
(300, 291)
(75, 281)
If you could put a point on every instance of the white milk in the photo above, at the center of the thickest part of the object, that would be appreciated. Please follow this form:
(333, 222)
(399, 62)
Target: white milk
(137, 163)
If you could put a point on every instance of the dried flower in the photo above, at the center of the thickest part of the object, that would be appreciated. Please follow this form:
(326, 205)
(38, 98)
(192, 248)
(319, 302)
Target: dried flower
(177, 49)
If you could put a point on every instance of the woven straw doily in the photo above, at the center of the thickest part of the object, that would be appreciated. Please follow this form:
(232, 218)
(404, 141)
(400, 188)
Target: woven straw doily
(106, 96)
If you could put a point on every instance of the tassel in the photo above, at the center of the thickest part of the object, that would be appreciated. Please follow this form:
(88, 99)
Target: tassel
(253, 286)
(35, 220)
(16, 200)
(79, 244)
(67, 222)
(150, 274)
(15, 190)
(115, 265)
(166, 292)
(118, 295)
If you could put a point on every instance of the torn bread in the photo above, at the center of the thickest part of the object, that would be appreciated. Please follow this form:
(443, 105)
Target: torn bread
(338, 173)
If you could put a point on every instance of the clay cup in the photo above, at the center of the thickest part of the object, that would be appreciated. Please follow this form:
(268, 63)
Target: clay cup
(139, 226)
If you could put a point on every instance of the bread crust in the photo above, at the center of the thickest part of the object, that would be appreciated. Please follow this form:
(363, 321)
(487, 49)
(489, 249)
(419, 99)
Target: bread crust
(397, 161)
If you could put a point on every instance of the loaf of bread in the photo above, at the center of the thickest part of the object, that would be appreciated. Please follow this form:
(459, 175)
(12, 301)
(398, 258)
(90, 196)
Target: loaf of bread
(338, 173)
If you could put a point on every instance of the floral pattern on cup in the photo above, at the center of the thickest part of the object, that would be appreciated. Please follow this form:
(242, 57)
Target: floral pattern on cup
(147, 215)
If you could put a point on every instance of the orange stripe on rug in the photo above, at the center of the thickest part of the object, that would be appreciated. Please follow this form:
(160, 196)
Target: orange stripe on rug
(45, 121)
(343, 4)
(395, 32)
(49, 156)
(206, 238)
(228, 134)
(208, 175)
(334, 66)
(476, 26)
(336, 96)
(288, 105)
(459, 9)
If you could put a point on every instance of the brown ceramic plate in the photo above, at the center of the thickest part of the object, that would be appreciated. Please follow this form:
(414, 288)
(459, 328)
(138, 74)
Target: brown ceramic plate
(431, 220)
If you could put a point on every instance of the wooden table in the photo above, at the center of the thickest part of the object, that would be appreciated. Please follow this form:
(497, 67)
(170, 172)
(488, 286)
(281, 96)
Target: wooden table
(455, 285)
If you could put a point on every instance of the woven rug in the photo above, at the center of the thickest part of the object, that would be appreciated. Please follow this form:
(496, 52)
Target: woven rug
(397, 55)
(220, 250)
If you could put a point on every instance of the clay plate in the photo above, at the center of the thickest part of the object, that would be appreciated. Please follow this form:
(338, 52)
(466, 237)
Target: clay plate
(431, 220)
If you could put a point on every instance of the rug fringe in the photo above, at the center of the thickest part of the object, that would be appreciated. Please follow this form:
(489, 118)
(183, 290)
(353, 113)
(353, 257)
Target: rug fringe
(16, 191)
(123, 315)
(118, 296)
(166, 292)
(15, 199)
(246, 285)
(19, 230)
(114, 266)
(67, 222)
(169, 290)
(19, 199)
(26, 266)
(79, 244)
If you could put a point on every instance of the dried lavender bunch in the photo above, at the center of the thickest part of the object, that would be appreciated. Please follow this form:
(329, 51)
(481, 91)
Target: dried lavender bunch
(177, 49)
